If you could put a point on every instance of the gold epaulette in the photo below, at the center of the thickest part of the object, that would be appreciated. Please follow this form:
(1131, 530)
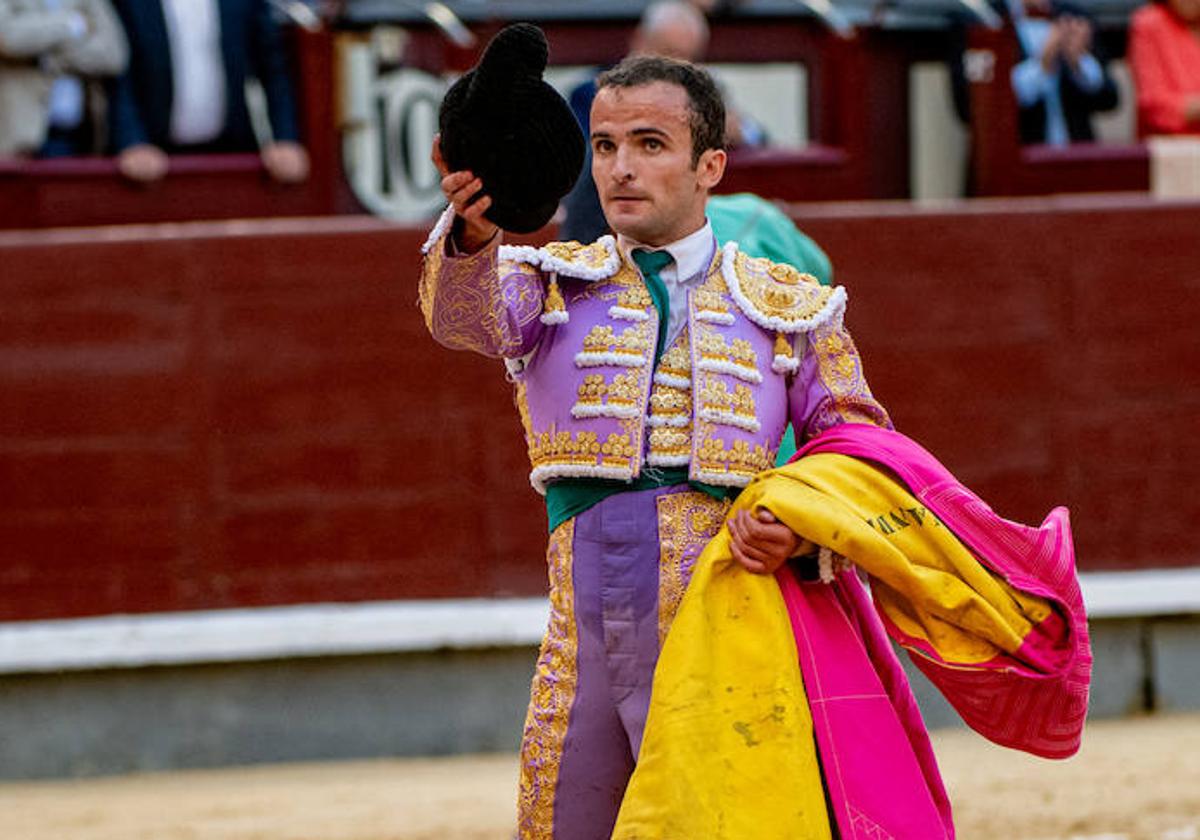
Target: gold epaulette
(597, 260)
(777, 296)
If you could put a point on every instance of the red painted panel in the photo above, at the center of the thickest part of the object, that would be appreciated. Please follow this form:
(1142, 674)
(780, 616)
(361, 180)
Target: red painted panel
(103, 481)
(104, 403)
(63, 563)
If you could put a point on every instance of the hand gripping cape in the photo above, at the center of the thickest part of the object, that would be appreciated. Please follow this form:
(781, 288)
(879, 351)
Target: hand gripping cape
(779, 708)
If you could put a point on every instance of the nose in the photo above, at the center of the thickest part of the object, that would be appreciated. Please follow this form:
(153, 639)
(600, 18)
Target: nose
(622, 171)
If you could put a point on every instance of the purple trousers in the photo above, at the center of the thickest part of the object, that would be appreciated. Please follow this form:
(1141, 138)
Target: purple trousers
(617, 574)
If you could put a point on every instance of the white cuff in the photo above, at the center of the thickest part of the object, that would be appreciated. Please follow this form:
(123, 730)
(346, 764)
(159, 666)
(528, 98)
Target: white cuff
(1088, 75)
(1030, 82)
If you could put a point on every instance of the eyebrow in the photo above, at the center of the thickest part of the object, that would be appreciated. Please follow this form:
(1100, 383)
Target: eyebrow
(637, 132)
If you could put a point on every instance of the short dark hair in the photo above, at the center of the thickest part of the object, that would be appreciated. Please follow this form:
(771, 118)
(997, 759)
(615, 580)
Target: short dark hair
(705, 106)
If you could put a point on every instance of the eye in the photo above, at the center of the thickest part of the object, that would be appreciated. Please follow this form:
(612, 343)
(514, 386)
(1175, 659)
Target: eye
(652, 144)
(602, 146)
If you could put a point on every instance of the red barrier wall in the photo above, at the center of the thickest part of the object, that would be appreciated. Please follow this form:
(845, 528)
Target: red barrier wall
(1046, 351)
(245, 413)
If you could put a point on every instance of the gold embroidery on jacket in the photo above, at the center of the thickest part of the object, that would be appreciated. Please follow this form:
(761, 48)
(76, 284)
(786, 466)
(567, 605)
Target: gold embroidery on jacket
(738, 460)
(719, 406)
(603, 346)
(594, 255)
(736, 358)
(776, 291)
(600, 398)
(670, 420)
(478, 304)
(676, 362)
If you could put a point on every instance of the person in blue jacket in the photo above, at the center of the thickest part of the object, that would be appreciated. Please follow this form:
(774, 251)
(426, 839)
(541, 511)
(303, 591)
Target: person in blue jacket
(184, 90)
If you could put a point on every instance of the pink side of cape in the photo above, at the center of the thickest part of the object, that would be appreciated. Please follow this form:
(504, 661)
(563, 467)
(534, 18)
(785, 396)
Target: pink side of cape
(876, 758)
(1035, 700)
(1022, 704)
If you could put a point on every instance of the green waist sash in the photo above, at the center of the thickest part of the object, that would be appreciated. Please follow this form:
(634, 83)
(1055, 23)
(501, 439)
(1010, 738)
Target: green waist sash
(570, 497)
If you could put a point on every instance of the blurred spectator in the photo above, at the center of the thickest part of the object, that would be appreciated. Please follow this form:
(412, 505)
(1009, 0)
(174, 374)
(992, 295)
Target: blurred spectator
(670, 28)
(1060, 82)
(762, 229)
(1061, 78)
(1164, 55)
(184, 91)
(50, 53)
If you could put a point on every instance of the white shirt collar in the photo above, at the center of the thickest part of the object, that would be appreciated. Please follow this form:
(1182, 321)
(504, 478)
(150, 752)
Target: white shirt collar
(692, 254)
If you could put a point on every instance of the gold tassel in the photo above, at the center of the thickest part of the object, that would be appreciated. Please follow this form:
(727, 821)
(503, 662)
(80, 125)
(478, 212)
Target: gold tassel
(783, 347)
(785, 362)
(554, 310)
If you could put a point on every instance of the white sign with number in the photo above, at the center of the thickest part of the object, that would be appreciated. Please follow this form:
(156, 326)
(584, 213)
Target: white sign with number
(389, 123)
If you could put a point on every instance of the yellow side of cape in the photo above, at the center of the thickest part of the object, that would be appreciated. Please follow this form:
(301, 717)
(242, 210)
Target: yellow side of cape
(922, 577)
(728, 750)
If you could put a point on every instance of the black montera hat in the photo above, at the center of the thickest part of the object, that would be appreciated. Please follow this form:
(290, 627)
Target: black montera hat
(510, 128)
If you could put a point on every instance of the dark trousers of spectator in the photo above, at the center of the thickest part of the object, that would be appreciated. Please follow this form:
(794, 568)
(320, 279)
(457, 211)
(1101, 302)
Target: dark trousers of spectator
(67, 142)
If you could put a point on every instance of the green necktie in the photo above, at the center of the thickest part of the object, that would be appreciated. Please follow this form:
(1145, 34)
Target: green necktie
(651, 263)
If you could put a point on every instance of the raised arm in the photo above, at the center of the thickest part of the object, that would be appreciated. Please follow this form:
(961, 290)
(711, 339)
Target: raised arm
(471, 299)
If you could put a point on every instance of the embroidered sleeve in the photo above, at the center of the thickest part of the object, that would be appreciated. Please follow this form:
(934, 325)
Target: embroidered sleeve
(480, 302)
(829, 387)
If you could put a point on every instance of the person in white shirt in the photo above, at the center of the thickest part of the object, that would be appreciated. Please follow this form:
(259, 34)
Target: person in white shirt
(184, 91)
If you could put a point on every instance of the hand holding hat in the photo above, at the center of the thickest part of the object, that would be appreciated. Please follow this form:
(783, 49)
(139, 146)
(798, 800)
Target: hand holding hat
(509, 146)
(465, 193)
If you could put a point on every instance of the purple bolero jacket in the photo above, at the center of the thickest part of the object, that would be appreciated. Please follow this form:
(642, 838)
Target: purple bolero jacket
(576, 326)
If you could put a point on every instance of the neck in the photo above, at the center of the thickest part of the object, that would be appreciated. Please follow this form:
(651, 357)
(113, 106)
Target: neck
(681, 232)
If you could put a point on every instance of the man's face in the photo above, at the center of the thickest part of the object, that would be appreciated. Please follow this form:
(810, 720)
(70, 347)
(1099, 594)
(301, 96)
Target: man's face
(642, 163)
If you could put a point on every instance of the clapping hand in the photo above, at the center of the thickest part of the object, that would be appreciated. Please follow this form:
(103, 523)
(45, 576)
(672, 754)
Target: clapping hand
(1076, 38)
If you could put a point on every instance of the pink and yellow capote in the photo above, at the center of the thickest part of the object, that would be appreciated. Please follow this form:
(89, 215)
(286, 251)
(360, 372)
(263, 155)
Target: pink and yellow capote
(770, 690)
(767, 686)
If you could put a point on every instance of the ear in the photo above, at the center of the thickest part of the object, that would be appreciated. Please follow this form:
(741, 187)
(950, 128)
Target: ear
(710, 168)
